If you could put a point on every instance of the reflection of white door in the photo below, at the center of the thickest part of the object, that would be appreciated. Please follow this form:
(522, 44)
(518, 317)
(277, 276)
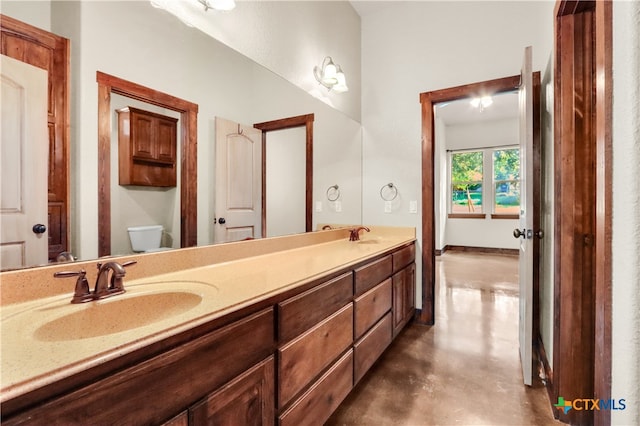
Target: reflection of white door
(23, 156)
(526, 217)
(238, 182)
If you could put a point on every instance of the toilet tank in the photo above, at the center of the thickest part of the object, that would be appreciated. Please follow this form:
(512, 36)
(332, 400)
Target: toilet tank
(145, 238)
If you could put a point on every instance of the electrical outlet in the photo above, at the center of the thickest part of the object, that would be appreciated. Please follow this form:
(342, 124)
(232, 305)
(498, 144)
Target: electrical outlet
(387, 206)
(318, 206)
(413, 206)
(338, 206)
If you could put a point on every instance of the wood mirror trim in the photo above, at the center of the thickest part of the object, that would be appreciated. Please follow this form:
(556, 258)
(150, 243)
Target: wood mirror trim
(108, 84)
(428, 99)
(282, 124)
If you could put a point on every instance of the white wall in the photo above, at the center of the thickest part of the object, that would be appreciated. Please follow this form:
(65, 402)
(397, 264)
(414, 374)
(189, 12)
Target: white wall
(406, 50)
(285, 181)
(36, 13)
(626, 204)
(290, 38)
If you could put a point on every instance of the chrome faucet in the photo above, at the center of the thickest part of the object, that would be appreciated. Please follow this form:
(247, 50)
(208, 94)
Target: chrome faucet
(105, 287)
(354, 234)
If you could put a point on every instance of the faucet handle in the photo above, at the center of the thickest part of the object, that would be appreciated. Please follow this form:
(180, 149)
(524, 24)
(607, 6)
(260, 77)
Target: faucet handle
(81, 293)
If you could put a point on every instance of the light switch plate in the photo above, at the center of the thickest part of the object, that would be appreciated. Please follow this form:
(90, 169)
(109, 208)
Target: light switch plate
(413, 206)
(318, 206)
(387, 206)
(338, 206)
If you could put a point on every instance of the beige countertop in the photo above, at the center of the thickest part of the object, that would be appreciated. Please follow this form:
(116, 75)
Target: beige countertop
(47, 339)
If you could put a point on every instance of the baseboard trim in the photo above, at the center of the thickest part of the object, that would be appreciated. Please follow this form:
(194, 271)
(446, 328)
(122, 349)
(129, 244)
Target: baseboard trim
(491, 250)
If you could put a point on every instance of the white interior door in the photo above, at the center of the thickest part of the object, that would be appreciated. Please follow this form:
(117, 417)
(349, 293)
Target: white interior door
(525, 232)
(23, 156)
(238, 182)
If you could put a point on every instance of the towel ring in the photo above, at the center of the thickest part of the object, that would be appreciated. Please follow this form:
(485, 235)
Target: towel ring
(333, 193)
(388, 197)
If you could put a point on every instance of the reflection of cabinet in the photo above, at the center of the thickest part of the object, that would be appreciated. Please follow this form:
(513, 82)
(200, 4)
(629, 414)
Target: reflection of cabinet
(146, 148)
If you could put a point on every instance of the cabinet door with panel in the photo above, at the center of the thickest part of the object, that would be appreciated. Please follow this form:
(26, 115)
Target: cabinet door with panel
(247, 400)
(403, 297)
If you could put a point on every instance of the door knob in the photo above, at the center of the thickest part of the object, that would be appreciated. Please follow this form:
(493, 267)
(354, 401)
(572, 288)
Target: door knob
(518, 233)
(539, 234)
(39, 228)
(222, 221)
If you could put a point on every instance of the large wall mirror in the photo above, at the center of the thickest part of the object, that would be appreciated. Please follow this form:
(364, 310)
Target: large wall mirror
(133, 42)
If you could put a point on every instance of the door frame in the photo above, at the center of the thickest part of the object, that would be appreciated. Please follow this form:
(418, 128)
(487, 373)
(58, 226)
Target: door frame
(58, 185)
(426, 315)
(305, 121)
(108, 84)
(579, 355)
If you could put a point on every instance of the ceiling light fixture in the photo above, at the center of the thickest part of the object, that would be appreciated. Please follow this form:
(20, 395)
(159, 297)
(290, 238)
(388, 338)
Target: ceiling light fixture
(223, 5)
(482, 102)
(331, 76)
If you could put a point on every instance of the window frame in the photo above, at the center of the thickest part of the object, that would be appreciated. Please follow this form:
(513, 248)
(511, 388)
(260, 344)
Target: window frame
(488, 183)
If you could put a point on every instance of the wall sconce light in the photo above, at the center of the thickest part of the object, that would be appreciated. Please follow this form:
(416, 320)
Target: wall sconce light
(224, 5)
(330, 76)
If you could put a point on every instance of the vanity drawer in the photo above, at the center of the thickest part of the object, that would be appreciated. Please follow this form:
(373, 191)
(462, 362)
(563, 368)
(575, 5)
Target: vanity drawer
(403, 257)
(317, 404)
(305, 357)
(371, 306)
(303, 311)
(372, 274)
(370, 347)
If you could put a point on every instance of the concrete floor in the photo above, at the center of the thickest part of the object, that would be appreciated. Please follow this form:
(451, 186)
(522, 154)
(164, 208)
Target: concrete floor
(465, 370)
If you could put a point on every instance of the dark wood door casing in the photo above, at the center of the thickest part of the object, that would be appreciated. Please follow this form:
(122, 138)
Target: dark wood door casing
(50, 52)
(282, 124)
(583, 182)
(108, 84)
(427, 101)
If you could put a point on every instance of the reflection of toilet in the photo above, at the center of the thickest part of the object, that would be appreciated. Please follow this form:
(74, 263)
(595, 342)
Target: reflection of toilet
(146, 238)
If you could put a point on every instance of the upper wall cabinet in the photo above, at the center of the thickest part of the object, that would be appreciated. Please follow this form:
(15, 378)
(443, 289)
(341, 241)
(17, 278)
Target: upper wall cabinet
(146, 148)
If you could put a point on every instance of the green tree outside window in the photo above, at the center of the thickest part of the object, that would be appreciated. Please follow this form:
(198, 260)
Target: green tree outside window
(466, 182)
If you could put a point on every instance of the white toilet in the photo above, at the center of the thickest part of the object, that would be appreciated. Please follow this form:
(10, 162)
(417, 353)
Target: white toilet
(146, 239)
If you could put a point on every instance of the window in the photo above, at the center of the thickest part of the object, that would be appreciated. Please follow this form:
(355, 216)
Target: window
(475, 193)
(506, 181)
(466, 182)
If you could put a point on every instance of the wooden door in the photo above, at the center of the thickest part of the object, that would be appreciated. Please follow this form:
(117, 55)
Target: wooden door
(24, 155)
(49, 52)
(525, 231)
(238, 185)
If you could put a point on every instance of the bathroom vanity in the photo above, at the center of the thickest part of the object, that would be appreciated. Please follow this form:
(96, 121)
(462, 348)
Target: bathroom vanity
(282, 331)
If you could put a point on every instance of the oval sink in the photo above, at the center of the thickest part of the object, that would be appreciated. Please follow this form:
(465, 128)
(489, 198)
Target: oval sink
(117, 314)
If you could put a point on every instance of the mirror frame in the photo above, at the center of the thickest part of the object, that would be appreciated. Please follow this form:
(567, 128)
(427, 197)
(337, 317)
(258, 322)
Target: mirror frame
(282, 124)
(108, 84)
